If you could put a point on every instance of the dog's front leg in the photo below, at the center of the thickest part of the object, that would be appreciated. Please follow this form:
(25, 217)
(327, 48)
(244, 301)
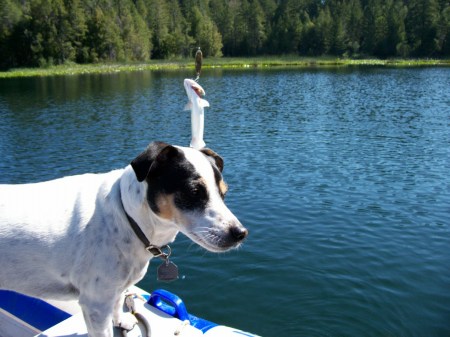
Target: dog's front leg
(123, 320)
(98, 315)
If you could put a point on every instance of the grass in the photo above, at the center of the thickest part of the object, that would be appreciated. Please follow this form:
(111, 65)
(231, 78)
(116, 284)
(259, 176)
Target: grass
(295, 61)
(226, 62)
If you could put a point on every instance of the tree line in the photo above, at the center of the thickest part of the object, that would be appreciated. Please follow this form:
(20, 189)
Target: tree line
(46, 32)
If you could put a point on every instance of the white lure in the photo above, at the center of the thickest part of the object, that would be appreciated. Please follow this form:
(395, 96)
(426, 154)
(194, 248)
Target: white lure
(196, 104)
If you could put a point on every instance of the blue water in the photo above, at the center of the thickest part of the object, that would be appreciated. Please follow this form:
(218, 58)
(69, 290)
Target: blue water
(341, 177)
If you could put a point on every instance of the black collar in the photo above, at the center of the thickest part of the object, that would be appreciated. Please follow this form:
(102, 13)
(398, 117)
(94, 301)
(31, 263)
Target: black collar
(155, 250)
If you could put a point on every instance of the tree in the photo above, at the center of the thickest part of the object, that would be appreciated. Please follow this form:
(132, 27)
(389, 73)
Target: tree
(134, 32)
(444, 31)
(103, 41)
(422, 24)
(44, 32)
(338, 43)
(323, 32)
(77, 29)
(10, 18)
(287, 28)
(47, 30)
(255, 35)
(397, 44)
(206, 35)
(158, 23)
(169, 29)
(354, 18)
(223, 15)
(375, 29)
(338, 38)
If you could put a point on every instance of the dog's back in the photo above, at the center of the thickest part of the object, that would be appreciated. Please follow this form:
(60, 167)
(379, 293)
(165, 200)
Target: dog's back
(41, 226)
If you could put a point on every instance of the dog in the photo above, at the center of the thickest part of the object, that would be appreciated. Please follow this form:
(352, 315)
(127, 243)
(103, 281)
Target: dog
(92, 236)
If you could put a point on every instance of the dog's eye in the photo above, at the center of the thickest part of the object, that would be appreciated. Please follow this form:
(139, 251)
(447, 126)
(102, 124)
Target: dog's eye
(194, 196)
(198, 191)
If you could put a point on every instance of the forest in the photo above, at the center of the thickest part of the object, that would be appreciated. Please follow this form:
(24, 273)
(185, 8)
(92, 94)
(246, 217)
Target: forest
(49, 32)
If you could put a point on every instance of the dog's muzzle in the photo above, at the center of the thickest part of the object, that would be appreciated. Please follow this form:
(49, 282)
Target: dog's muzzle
(222, 239)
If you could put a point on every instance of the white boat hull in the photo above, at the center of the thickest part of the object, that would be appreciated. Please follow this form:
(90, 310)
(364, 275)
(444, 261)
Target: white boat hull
(166, 315)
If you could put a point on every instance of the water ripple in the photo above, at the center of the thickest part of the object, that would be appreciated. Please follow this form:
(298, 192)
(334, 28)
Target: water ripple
(341, 177)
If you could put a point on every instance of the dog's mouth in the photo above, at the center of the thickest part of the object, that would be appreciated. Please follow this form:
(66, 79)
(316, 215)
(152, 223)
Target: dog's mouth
(218, 241)
(214, 231)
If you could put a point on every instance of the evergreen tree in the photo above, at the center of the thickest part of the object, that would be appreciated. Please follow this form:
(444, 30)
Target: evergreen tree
(169, 29)
(158, 22)
(307, 35)
(397, 44)
(223, 15)
(323, 32)
(77, 29)
(422, 23)
(44, 32)
(286, 31)
(208, 37)
(338, 33)
(255, 36)
(239, 32)
(375, 29)
(49, 31)
(354, 18)
(103, 37)
(10, 18)
(268, 8)
(134, 32)
(339, 41)
(444, 31)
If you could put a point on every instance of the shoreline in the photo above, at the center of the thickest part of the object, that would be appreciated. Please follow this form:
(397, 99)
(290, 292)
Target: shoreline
(223, 63)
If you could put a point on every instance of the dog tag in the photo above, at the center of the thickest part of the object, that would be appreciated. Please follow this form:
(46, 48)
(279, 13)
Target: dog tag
(167, 271)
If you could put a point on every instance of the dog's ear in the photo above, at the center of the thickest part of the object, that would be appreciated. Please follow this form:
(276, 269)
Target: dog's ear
(155, 154)
(217, 159)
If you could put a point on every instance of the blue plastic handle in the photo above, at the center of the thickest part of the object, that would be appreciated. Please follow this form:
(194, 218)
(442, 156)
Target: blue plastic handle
(161, 299)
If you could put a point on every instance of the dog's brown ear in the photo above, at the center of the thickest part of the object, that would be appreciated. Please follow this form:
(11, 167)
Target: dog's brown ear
(143, 163)
(217, 159)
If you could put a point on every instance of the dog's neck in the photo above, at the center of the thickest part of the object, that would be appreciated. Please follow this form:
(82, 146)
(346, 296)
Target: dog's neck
(157, 231)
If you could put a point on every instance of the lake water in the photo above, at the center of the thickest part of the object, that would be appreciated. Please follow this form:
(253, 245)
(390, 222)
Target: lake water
(341, 176)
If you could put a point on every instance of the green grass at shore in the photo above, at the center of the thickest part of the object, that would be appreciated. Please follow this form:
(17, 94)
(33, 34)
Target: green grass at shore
(226, 62)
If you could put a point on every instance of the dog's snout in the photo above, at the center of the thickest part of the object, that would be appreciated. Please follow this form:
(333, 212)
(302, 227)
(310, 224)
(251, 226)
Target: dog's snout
(239, 233)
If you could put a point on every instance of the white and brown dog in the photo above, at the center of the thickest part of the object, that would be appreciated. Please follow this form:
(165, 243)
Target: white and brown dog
(82, 236)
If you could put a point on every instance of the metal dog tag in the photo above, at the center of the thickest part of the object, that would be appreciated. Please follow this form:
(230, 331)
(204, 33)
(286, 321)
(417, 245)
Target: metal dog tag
(167, 271)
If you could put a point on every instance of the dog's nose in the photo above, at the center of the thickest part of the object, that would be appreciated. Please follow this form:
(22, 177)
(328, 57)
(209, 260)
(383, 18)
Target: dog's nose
(239, 233)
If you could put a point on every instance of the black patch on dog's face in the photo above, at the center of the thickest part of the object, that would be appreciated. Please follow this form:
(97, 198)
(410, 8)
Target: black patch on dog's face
(178, 178)
(169, 173)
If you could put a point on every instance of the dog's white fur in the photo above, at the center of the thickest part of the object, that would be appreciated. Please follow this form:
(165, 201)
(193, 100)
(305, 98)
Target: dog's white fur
(70, 238)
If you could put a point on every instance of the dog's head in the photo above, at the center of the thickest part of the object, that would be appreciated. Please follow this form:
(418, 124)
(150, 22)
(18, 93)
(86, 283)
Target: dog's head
(185, 186)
